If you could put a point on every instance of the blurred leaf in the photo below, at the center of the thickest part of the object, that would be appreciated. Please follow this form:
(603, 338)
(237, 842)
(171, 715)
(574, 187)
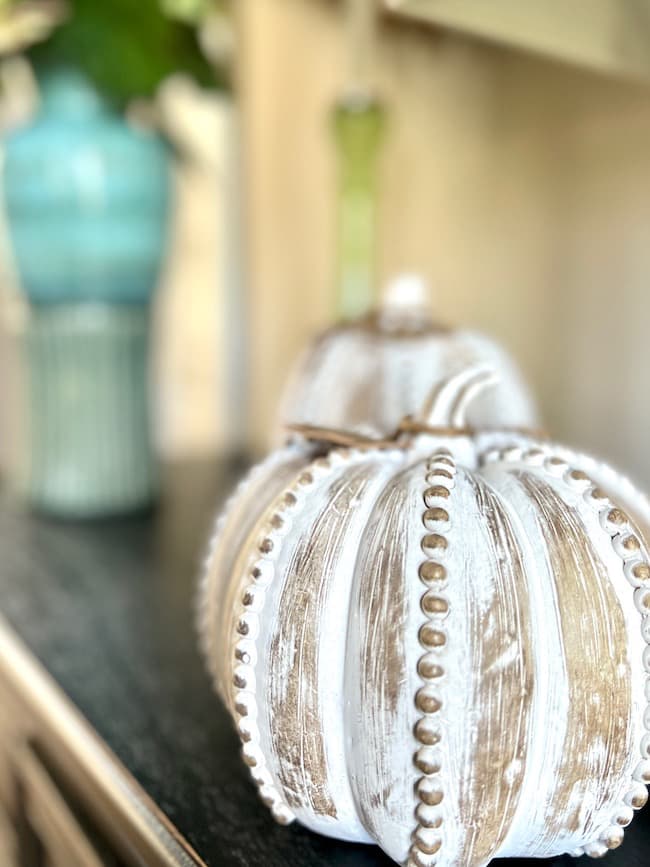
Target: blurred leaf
(125, 47)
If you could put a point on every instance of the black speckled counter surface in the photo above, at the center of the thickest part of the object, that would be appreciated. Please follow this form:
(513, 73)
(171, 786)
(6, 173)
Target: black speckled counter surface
(108, 610)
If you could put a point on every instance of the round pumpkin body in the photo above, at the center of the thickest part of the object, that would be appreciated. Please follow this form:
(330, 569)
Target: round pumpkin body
(437, 645)
(366, 375)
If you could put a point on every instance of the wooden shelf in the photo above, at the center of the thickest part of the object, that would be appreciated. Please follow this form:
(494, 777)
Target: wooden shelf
(606, 35)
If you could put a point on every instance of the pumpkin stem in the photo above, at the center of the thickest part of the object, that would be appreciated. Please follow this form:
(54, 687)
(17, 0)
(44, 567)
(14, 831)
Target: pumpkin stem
(448, 402)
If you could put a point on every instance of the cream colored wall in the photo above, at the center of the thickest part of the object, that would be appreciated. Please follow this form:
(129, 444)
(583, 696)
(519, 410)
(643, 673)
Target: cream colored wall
(189, 358)
(515, 184)
(602, 269)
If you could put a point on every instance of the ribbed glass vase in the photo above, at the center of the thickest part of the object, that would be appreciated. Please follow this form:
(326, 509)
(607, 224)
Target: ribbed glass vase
(89, 431)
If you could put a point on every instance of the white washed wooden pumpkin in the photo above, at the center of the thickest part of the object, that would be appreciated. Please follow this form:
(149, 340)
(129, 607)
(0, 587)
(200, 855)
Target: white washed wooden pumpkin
(439, 643)
(366, 375)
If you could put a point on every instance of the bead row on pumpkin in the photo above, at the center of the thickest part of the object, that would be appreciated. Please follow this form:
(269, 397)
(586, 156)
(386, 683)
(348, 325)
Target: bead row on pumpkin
(260, 576)
(206, 627)
(636, 567)
(427, 837)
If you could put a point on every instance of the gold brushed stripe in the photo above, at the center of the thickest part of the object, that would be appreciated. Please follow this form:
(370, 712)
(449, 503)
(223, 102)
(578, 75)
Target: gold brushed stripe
(294, 693)
(594, 646)
(503, 675)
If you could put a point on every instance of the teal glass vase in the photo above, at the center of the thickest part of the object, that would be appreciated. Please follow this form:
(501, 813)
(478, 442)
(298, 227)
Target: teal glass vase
(87, 200)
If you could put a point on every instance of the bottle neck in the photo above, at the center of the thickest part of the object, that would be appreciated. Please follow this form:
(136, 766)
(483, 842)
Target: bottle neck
(69, 94)
(358, 126)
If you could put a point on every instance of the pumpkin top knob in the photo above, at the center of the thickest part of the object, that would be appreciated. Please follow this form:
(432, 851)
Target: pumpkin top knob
(405, 304)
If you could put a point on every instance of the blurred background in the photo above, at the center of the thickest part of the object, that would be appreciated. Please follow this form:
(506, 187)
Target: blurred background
(502, 151)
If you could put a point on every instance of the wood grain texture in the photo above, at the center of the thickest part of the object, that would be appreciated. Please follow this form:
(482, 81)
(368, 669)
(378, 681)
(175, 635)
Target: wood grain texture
(597, 739)
(381, 676)
(302, 723)
(294, 693)
(502, 677)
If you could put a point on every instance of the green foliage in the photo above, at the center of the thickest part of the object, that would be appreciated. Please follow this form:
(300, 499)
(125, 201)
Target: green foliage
(125, 46)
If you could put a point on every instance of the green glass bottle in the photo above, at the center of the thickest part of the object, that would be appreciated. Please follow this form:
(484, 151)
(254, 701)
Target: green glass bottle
(359, 125)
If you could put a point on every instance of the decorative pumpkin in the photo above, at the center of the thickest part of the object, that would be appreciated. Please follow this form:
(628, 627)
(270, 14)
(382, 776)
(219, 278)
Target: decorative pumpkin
(365, 375)
(437, 642)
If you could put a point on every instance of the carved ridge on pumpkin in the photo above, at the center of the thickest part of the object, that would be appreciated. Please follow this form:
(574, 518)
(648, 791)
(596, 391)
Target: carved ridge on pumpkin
(244, 649)
(428, 836)
(631, 550)
(244, 645)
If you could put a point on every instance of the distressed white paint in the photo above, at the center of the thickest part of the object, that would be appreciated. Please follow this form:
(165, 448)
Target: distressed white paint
(543, 658)
(366, 375)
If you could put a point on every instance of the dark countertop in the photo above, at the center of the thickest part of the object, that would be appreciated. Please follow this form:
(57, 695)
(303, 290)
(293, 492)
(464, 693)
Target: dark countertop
(108, 609)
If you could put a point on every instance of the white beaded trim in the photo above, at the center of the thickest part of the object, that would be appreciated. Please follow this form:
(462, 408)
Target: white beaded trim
(636, 567)
(205, 626)
(427, 837)
(244, 649)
